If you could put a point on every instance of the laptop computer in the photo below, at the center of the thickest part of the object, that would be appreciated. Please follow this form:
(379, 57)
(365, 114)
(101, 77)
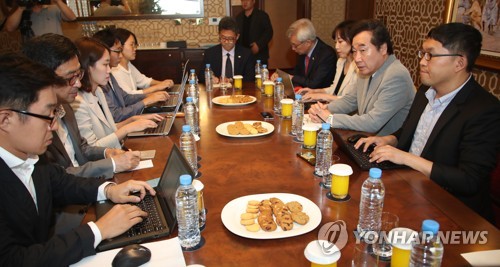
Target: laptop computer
(165, 125)
(161, 210)
(288, 84)
(175, 89)
(169, 105)
(361, 158)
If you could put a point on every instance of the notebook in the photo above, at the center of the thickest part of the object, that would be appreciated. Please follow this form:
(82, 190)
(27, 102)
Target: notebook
(161, 218)
(361, 158)
(288, 84)
(176, 88)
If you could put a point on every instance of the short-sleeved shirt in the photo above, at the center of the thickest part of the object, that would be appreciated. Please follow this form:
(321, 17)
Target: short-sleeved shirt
(48, 20)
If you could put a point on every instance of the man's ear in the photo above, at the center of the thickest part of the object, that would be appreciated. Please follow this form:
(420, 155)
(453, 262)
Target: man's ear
(383, 49)
(460, 63)
(5, 119)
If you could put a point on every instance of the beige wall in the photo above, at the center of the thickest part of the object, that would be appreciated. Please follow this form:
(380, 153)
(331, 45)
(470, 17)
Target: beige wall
(325, 15)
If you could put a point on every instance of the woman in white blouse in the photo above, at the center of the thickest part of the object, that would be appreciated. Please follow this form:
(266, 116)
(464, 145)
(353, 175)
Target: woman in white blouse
(130, 79)
(346, 68)
(93, 116)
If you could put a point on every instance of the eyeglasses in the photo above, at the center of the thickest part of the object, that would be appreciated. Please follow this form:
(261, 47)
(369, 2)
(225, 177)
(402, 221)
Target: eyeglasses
(295, 46)
(52, 120)
(133, 45)
(227, 39)
(116, 50)
(76, 76)
(428, 56)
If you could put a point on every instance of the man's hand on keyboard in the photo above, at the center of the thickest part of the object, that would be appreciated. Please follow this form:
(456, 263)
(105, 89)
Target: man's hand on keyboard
(365, 143)
(153, 117)
(155, 98)
(389, 153)
(129, 191)
(119, 219)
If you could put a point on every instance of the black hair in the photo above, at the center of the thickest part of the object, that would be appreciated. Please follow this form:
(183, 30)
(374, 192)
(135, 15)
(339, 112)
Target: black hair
(50, 49)
(123, 34)
(343, 30)
(228, 23)
(91, 50)
(107, 36)
(380, 34)
(459, 38)
(21, 80)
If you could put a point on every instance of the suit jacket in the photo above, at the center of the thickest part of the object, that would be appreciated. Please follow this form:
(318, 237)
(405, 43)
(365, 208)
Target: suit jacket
(260, 32)
(321, 67)
(95, 126)
(24, 235)
(382, 107)
(349, 79)
(122, 104)
(463, 145)
(90, 158)
(244, 62)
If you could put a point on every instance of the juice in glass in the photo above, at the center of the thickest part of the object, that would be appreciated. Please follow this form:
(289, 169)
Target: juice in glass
(268, 88)
(286, 108)
(238, 82)
(318, 257)
(310, 135)
(258, 81)
(340, 180)
(400, 239)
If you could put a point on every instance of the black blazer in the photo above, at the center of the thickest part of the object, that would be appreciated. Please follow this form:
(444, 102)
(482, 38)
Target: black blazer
(322, 67)
(260, 32)
(24, 231)
(244, 62)
(463, 144)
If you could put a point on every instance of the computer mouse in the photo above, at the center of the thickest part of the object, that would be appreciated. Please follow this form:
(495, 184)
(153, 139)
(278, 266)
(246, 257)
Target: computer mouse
(132, 256)
(355, 137)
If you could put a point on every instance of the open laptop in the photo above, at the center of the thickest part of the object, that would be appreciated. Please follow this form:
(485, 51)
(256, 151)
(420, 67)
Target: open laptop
(287, 83)
(168, 105)
(176, 88)
(165, 125)
(161, 210)
(361, 158)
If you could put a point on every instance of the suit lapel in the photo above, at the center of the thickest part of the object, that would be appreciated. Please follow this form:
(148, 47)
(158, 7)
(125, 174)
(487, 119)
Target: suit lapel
(74, 133)
(59, 146)
(238, 61)
(95, 108)
(114, 83)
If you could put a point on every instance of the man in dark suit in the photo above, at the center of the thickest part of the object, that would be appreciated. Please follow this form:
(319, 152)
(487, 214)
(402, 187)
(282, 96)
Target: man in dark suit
(316, 61)
(229, 58)
(29, 191)
(452, 132)
(256, 30)
(122, 104)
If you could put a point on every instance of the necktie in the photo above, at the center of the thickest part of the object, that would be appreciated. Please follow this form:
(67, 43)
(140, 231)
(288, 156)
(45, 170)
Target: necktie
(307, 65)
(229, 66)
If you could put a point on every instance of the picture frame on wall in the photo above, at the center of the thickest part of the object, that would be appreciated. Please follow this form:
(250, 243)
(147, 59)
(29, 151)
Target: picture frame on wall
(484, 16)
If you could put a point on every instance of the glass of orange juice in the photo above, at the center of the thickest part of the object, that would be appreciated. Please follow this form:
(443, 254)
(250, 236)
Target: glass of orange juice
(310, 134)
(258, 82)
(238, 82)
(286, 108)
(268, 88)
(198, 185)
(322, 253)
(339, 180)
(400, 239)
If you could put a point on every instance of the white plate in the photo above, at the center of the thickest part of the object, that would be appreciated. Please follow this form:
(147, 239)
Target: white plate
(231, 216)
(222, 129)
(216, 100)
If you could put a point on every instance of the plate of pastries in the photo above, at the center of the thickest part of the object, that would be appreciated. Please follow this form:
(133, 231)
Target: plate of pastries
(270, 216)
(234, 100)
(244, 129)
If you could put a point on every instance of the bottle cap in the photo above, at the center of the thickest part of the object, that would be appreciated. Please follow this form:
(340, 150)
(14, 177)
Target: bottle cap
(279, 79)
(315, 253)
(207, 65)
(298, 97)
(430, 226)
(340, 169)
(192, 70)
(325, 126)
(185, 179)
(258, 60)
(192, 81)
(375, 173)
(186, 128)
(189, 99)
(264, 66)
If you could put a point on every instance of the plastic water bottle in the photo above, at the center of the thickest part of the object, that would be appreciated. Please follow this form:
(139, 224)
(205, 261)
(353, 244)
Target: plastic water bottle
(264, 73)
(186, 204)
(279, 93)
(371, 203)
(258, 67)
(192, 76)
(193, 91)
(324, 143)
(427, 249)
(298, 115)
(208, 78)
(188, 147)
(191, 116)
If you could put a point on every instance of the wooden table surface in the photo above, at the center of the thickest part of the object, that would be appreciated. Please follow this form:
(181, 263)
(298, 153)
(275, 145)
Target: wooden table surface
(235, 167)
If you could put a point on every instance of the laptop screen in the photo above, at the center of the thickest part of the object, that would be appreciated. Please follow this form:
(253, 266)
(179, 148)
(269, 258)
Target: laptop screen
(287, 83)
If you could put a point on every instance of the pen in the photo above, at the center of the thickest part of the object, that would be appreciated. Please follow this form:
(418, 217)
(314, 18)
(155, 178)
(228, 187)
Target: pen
(317, 115)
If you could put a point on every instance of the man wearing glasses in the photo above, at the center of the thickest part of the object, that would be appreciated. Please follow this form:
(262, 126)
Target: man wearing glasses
(316, 61)
(29, 192)
(228, 58)
(452, 133)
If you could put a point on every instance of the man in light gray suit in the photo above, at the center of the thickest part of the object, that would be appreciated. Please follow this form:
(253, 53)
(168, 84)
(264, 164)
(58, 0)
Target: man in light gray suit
(384, 88)
(69, 149)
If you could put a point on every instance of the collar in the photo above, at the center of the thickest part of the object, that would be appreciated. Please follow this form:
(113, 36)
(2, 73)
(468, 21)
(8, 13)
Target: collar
(224, 52)
(13, 161)
(431, 94)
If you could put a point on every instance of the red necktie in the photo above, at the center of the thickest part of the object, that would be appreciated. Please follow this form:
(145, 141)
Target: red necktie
(307, 64)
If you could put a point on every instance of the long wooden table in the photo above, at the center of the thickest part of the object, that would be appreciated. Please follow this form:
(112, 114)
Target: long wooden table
(235, 167)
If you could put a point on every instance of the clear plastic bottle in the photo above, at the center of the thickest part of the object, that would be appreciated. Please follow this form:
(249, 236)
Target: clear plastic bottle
(187, 145)
(279, 93)
(264, 73)
(371, 203)
(193, 76)
(208, 78)
(191, 115)
(258, 67)
(186, 204)
(297, 115)
(324, 143)
(427, 250)
(193, 91)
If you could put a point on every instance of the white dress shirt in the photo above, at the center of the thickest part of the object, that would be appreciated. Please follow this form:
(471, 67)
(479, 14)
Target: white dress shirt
(132, 79)
(224, 58)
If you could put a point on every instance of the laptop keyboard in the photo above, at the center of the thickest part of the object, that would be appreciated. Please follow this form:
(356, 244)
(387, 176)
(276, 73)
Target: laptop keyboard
(159, 129)
(152, 223)
(363, 159)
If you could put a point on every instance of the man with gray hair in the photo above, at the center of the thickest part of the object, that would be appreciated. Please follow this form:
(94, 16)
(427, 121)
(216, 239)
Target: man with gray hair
(316, 61)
